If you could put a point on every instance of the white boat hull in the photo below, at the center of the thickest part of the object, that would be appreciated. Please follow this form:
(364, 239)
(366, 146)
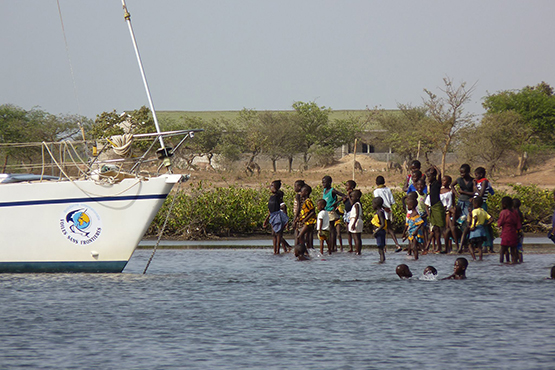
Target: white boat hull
(76, 226)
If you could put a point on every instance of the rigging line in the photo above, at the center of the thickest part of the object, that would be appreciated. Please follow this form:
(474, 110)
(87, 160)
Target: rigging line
(164, 225)
(71, 70)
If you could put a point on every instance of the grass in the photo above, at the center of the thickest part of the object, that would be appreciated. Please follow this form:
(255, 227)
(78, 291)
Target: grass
(231, 114)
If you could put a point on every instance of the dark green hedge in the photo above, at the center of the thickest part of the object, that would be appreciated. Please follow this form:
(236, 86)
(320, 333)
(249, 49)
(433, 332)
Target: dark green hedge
(201, 211)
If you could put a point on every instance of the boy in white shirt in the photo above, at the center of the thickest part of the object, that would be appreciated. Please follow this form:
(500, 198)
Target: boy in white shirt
(385, 193)
(323, 225)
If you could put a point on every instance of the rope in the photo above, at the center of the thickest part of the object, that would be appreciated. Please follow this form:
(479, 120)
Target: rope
(121, 144)
(163, 228)
(74, 183)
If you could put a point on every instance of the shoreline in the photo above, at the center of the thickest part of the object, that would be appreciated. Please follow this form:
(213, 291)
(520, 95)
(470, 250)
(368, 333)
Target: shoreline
(532, 245)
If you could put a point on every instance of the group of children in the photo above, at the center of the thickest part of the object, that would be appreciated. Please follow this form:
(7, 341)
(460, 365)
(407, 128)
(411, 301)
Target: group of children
(430, 272)
(433, 212)
(325, 217)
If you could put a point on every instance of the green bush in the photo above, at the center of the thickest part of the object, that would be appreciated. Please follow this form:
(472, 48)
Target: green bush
(201, 211)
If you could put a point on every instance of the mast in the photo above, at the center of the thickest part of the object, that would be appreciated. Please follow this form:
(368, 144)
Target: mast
(164, 153)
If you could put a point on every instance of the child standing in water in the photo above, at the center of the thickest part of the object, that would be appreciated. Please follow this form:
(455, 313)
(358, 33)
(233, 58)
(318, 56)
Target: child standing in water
(413, 227)
(509, 222)
(385, 193)
(436, 215)
(519, 246)
(330, 196)
(414, 166)
(276, 217)
(307, 217)
(479, 219)
(447, 198)
(465, 192)
(350, 185)
(380, 226)
(297, 226)
(323, 225)
(355, 220)
(482, 189)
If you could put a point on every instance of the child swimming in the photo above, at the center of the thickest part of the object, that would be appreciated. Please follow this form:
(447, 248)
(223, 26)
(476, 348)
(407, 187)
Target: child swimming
(459, 269)
(403, 271)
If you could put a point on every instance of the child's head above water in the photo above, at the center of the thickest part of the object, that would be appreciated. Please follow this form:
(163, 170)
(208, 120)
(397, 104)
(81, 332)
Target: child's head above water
(321, 204)
(460, 266)
(430, 270)
(300, 250)
(403, 271)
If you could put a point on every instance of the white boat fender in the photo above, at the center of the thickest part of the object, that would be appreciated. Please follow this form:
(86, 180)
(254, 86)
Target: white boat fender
(94, 254)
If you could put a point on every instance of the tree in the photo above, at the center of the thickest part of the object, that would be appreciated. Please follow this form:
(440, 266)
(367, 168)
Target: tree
(310, 120)
(499, 136)
(536, 107)
(409, 131)
(34, 126)
(281, 139)
(108, 124)
(448, 113)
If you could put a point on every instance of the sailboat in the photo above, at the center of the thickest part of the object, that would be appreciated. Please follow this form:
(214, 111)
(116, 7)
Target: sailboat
(92, 213)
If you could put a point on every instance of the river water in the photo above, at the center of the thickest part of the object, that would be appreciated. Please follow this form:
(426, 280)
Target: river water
(250, 309)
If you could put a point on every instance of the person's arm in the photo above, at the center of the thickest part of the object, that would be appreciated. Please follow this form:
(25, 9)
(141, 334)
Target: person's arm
(382, 222)
(299, 206)
(320, 222)
(490, 220)
(406, 185)
(438, 173)
(453, 189)
(265, 224)
(338, 195)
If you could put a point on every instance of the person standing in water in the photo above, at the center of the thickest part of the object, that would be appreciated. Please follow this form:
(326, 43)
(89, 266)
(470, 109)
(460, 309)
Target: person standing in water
(356, 224)
(385, 193)
(380, 226)
(276, 217)
(330, 196)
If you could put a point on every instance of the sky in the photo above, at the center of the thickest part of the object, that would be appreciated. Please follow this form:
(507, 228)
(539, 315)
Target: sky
(265, 55)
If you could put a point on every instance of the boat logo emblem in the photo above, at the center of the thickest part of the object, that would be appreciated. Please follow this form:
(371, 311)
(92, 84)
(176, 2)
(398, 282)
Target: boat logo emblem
(80, 224)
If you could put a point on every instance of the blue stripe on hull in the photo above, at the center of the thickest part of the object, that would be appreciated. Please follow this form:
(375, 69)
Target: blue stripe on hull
(81, 200)
(90, 267)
